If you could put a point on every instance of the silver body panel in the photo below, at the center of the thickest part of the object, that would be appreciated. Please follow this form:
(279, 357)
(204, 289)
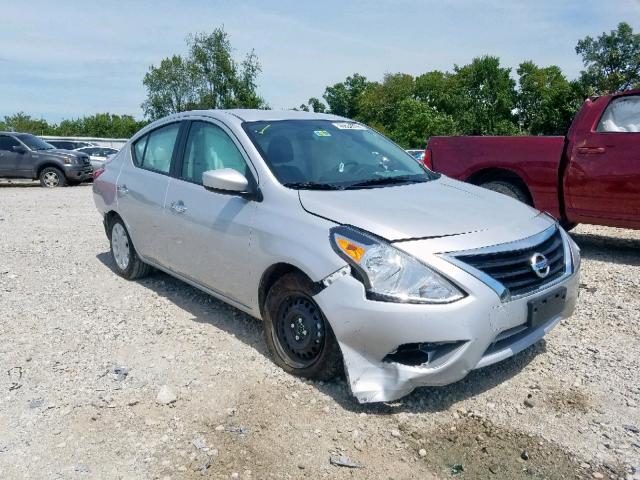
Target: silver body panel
(224, 244)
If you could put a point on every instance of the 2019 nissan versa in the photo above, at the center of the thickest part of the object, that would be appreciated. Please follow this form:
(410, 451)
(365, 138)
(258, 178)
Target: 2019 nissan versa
(352, 253)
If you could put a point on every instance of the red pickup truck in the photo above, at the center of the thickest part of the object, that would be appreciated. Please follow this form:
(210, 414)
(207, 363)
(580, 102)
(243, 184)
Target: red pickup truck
(590, 176)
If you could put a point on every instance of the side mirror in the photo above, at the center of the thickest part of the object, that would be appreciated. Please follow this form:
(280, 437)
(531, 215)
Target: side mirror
(226, 180)
(19, 149)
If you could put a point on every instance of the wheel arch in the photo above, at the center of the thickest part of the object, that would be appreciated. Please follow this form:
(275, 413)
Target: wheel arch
(47, 164)
(270, 276)
(501, 174)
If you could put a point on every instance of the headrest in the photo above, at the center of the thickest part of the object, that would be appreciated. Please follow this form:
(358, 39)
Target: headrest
(280, 151)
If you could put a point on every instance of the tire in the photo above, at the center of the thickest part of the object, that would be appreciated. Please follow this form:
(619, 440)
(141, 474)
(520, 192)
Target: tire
(124, 255)
(289, 311)
(508, 189)
(51, 177)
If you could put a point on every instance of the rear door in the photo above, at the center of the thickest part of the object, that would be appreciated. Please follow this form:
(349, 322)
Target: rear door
(603, 177)
(209, 232)
(142, 187)
(8, 158)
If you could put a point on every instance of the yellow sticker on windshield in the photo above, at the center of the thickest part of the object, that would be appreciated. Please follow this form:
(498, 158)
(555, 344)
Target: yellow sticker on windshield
(321, 133)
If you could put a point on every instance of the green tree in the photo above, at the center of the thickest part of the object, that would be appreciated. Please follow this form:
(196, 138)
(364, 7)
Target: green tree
(170, 88)
(488, 97)
(612, 60)
(209, 77)
(379, 104)
(21, 122)
(417, 122)
(343, 97)
(546, 100)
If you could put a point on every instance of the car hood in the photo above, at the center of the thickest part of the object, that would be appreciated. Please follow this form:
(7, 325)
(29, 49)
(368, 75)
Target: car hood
(66, 153)
(432, 209)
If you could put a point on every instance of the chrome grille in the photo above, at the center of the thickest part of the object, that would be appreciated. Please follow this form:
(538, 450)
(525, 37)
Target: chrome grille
(513, 268)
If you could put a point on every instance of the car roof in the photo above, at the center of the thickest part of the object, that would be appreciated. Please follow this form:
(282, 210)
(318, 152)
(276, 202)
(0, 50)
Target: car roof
(254, 115)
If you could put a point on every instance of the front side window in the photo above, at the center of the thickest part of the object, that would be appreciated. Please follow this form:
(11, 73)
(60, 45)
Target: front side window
(209, 148)
(7, 143)
(332, 154)
(33, 142)
(622, 115)
(154, 150)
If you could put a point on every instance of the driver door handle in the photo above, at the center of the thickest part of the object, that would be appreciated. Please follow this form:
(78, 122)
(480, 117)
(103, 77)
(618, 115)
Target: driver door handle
(178, 207)
(591, 150)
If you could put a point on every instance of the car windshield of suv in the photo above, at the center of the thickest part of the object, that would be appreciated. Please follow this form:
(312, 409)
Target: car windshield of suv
(325, 154)
(33, 142)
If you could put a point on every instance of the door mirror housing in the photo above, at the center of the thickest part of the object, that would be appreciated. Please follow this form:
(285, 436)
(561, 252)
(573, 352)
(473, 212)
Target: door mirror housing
(19, 149)
(225, 180)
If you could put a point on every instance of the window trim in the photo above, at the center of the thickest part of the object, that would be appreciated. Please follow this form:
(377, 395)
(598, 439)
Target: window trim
(134, 158)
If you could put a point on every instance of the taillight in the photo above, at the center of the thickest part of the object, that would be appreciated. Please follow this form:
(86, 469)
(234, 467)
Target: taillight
(428, 159)
(98, 172)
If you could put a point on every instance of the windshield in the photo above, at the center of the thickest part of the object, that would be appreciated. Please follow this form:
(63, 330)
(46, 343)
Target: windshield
(33, 142)
(332, 154)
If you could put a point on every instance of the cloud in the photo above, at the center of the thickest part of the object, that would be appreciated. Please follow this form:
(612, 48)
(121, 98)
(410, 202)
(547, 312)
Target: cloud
(64, 60)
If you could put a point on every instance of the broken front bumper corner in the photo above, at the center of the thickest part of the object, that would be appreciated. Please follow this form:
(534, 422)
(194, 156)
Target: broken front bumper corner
(389, 349)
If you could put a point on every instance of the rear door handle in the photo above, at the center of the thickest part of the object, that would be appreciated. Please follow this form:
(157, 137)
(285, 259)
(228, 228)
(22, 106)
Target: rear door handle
(591, 150)
(122, 189)
(178, 207)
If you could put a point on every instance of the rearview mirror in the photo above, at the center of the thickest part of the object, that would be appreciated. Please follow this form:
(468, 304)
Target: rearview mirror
(225, 179)
(19, 149)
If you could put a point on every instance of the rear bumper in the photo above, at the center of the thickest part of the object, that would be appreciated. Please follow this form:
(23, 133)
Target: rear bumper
(480, 329)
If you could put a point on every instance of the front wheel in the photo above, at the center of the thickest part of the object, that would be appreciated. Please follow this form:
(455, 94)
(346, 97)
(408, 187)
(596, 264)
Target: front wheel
(51, 177)
(297, 333)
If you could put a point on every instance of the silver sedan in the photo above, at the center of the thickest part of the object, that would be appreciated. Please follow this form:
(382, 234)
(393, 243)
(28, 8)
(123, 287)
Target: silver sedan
(356, 257)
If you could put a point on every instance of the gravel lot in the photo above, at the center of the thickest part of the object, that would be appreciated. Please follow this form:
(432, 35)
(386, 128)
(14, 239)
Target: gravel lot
(105, 378)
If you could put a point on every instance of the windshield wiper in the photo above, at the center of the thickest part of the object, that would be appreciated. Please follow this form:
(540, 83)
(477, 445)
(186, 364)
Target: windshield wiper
(388, 181)
(313, 186)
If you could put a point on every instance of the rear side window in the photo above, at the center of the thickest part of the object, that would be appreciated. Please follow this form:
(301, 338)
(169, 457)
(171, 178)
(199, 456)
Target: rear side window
(622, 115)
(7, 143)
(154, 150)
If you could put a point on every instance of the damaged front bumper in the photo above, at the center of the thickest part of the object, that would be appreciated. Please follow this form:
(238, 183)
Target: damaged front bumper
(389, 349)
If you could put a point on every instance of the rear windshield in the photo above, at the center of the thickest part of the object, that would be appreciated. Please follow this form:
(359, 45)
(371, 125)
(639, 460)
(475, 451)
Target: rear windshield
(333, 154)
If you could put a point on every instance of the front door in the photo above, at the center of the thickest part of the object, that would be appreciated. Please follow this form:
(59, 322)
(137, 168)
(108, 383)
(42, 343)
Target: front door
(209, 232)
(603, 178)
(8, 157)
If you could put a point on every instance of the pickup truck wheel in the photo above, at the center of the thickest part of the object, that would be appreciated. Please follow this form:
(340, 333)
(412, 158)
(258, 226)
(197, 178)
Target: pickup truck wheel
(51, 177)
(297, 333)
(508, 189)
(126, 260)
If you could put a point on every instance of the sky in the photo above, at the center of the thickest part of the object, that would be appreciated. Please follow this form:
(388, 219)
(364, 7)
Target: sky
(65, 59)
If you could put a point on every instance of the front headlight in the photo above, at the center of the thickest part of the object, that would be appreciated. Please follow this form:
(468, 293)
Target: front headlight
(68, 160)
(390, 274)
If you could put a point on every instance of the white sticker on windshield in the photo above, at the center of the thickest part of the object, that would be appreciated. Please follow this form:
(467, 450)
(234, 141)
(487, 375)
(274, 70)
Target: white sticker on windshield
(349, 126)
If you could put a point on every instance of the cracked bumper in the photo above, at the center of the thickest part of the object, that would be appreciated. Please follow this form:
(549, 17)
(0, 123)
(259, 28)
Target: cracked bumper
(367, 331)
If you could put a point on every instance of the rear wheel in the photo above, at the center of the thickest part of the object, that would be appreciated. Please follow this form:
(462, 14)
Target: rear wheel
(126, 260)
(297, 333)
(51, 177)
(508, 189)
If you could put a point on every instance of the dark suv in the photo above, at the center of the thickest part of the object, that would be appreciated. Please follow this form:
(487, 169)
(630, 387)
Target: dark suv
(23, 155)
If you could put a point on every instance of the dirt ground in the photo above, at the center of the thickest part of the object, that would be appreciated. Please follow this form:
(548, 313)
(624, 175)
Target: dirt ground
(109, 379)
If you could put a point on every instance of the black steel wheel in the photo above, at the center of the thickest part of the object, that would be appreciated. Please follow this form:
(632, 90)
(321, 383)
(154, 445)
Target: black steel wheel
(300, 328)
(298, 335)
